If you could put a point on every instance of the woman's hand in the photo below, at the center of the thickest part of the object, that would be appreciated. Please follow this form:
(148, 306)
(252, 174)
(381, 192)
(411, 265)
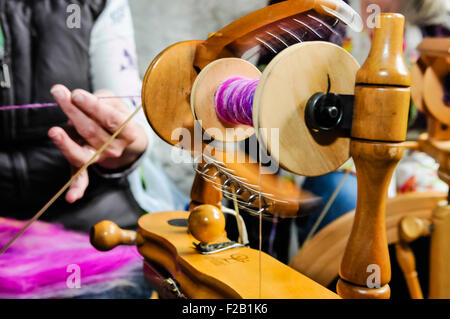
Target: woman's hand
(95, 120)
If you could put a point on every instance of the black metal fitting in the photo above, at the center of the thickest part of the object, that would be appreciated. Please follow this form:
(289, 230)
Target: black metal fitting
(329, 111)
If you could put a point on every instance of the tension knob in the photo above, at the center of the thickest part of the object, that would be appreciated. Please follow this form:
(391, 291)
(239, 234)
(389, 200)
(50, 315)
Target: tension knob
(206, 223)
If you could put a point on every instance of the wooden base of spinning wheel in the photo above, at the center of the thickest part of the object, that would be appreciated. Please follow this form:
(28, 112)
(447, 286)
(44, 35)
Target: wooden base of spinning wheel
(171, 259)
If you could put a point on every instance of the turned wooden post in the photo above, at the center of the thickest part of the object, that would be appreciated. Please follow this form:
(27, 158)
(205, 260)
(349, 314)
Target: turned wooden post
(382, 98)
(202, 191)
(439, 253)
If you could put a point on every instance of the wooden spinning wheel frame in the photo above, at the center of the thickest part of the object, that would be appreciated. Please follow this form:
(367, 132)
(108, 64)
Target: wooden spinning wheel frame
(375, 143)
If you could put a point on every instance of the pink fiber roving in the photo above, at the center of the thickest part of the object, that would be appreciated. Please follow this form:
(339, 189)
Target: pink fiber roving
(234, 100)
(42, 263)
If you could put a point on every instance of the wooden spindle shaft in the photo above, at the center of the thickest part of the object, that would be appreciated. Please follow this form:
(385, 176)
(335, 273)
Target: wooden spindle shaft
(382, 97)
(410, 229)
(407, 261)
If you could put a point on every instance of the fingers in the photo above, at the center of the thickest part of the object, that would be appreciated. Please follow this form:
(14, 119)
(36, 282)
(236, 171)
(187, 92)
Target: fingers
(75, 154)
(78, 187)
(110, 114)
(86, 124)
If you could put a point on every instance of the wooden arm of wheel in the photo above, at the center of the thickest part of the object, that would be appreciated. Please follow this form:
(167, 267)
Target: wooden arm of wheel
(106, 235)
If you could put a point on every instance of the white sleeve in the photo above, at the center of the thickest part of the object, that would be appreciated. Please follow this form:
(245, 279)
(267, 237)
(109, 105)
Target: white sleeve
(114, 67)
(113, 57)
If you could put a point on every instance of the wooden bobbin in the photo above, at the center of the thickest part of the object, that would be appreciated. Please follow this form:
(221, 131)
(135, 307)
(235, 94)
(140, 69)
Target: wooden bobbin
(280, 102)
(285, 87)
(204, 92)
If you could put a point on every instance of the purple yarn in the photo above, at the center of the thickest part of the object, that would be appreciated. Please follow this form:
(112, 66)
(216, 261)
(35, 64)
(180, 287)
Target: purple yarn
(36, 266)
(234, 100)
(41, 105)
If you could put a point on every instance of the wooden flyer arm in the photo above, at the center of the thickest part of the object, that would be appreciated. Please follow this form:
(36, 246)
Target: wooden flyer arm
(382, 98)
(213, 47)
(435, 47)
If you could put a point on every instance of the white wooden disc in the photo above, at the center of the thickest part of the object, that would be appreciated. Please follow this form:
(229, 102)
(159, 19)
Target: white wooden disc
(286, 85)
(203, 98)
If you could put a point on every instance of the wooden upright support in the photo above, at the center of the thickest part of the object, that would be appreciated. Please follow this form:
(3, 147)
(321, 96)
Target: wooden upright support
(382, 99)
(439, 252)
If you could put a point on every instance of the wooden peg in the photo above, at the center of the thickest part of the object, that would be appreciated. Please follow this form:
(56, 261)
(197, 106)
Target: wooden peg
(407, 261)
(411, 228)
(382, 97)
(106, 235)
(206, 223)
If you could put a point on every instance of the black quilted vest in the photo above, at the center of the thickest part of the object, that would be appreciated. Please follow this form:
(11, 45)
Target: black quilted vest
(40, 50)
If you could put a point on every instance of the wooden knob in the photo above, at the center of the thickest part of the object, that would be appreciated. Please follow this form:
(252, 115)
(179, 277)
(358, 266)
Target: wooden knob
(106, 235)
(206, 223)
(386, 64)
(412, 228)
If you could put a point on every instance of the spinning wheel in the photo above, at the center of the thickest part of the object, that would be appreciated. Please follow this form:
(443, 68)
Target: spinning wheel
(316, 109)
(324, 108)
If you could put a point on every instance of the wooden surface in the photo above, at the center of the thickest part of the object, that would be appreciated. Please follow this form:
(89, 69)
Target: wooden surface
(229, 274)
(434, 90)
(435, 47)
(386, 64)
(280, 101)
(375, 163)
(407, 262)
(203, 192)
(439, 254)
(418, 72)
(206, 223)
(379, 109)
(358, 292)
(382, 100)
(436, 130)
(166, 92)
(203, 95)
(411, 228)
(439, 150)
(320, 258)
